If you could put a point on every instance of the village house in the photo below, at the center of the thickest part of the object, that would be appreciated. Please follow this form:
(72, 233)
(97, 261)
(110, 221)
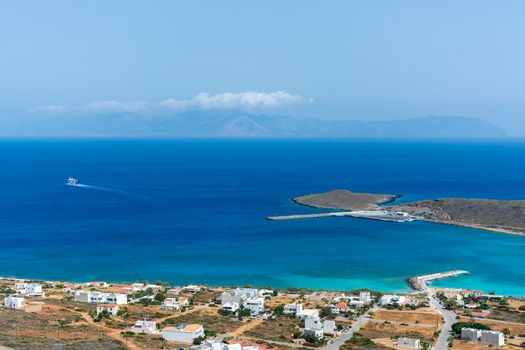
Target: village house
(231, 307)
(28, 289)
(340, 307)
(111, 309)
(238, 295)
(486, 337)
(215, 345)
(314, 327)
(183, 333)
(293, 309)
(255, 305)
(170, 304)
(409, 342)
(365, 297)
(392, 299)
(145, 327)
(13, 302)
(100, 297)
(183, 300)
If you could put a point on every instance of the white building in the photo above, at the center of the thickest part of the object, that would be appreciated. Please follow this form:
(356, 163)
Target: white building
(470, 334)
(486, 337)
(313, 323)
(308, 313)
(214, 345)
(409, 342)
(111, 309)
(146, 327)
(365, 297)
(318, 333)
(492, 338)
(329, 326)
(238, 295)
(182, 333)
(231, 307)
(255, 305)
(28, 289)
(170, 304)
(392, 299)
(14, 302)
(99, 297)
(293, 309)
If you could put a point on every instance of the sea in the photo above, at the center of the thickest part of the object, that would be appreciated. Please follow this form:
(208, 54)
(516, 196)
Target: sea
(194, 211)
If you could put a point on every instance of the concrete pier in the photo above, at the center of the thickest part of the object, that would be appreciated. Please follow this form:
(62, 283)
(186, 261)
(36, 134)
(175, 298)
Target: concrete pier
(420, 282)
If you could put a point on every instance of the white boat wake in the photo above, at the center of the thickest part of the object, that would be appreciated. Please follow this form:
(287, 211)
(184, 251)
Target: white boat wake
(106, 189)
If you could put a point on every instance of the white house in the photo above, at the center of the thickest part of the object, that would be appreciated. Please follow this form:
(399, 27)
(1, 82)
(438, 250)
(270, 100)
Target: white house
(318, 333)
(146, 327)
(170, 304)
(255, 305)
(14, 302)
(28, 289)
(409, 342)
(329, 326)
(392, 299)
(365, 297)
(493, 338)
(99, 297)
(313, 323)
(238, 295)
(111, 309)
(215, 345)
(293, 309)
(470, 334)
(308, 313)
(486, 337)
(182, 333)
(231, 307)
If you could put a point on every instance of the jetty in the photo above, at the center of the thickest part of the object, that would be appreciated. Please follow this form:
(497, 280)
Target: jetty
(420, 282)
(364, 214)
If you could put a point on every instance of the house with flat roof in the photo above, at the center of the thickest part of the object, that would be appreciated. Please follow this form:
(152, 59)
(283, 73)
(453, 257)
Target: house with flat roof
(88, 296)
(293, 309)
(13, 302)
(412, 343)
(183, 333)
(28, 289)
(111, 309)
(145, 327)
(170, 304)
(255, 305)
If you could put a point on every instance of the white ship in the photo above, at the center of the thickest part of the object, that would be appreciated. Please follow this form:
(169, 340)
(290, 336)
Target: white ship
(71, 181)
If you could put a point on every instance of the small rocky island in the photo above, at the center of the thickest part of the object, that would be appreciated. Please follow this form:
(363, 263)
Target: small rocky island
(507, 216)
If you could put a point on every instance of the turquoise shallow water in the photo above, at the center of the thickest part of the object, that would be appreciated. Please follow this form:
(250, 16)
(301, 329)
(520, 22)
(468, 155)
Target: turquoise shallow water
(194, 211)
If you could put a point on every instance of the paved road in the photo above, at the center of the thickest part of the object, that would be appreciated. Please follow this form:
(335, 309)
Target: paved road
(345, 336)
(448, 315)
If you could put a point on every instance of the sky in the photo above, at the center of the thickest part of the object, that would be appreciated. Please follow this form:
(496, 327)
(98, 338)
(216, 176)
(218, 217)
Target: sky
(359, 60)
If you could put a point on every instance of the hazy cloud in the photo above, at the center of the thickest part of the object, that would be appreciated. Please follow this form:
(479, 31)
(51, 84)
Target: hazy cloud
(232, 100)
(204, 101)
(117, 106)
(50, 109)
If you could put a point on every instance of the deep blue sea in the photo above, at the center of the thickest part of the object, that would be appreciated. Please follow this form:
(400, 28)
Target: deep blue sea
(194, 211)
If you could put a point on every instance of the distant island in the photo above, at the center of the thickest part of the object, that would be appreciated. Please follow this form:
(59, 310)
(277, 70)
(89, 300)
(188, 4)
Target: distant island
(506, 216)
(241, 124)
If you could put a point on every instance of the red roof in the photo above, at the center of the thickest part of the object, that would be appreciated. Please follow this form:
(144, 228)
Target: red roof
(341, 305)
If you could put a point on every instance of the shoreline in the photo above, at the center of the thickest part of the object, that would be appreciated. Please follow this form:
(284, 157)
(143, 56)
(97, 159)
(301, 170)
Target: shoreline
(376, 205)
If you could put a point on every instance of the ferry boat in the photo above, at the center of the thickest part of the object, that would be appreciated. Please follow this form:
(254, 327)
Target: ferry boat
(71, 181)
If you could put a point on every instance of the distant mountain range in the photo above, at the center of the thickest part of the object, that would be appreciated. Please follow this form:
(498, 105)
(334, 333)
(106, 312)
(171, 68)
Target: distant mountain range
(246, 125)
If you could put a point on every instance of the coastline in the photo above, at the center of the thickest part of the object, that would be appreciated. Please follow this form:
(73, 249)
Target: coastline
(437, 217)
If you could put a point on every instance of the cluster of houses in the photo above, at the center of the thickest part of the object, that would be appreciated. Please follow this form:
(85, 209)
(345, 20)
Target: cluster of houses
(244, 298)
(215, 345)
(22, 290)
(491, 338)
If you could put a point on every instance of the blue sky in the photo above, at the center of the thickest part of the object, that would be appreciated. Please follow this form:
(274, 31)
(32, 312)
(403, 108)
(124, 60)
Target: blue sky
(365, 60)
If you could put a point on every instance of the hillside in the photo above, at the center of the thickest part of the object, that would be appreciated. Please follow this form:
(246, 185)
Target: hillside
(228, 124)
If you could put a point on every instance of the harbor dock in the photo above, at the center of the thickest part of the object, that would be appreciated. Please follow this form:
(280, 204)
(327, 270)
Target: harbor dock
(420, 282)
(364, 214)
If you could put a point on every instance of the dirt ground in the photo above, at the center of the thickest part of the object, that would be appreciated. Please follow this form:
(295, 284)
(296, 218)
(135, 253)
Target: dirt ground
(514, 328)
(431, 318)
(375, 330)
